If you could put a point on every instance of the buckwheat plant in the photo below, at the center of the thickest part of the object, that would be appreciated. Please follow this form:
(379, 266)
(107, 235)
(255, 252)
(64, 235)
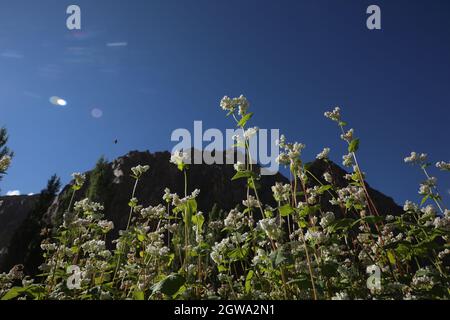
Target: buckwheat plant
(319, 241)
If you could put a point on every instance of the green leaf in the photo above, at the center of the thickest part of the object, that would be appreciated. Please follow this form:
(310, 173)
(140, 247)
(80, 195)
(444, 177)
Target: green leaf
(277, 257)
(245, 119)
(198, 220)
(343, 224)
(354, 145)
(286, 210)
(253, 184)
(424, 199)
(138, 295)
(141, 237)
(243, 174)
(169, 285)
(248, 281)
(268, 213)
(324, 188)
(13, 293)
(391, 257)
(189, 209)
(238, 254)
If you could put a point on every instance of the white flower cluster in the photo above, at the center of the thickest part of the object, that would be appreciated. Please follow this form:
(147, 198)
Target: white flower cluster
(239, 166)
(347, 160)
(443, 222)
(176, 200)
(352, 194)
(156, 245)
(241, 103)
(291, 153)
(261, 258)
(428, 212)
(281, 192)
(334, 115)
(247, 135)
(423, 279)
(416, 158)
(316, 237)
(48, 246)
(5, 162)
(139, 170)
(328, 178)
(270, 227)
(179, 158)
(410, 206)
(89, 208)
(327, 219)
(154, 213)
(93, 246)
(312, 195)
(340, 296)
(444, 166)
(324, 154)
(235, 220)
(426, 188)
(251, 202)
(105, 225)
(79, 179)
(348, 136)
(219, 250)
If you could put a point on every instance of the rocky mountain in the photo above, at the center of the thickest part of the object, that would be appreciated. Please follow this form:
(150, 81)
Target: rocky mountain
(110, 183)
(13, 211)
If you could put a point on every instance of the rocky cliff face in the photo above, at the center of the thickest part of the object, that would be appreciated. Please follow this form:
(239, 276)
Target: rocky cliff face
(214, 181)
(13, 211)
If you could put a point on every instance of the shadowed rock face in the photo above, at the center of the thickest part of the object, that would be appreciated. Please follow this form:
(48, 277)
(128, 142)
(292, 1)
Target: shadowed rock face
(214, 182)
(13, 211)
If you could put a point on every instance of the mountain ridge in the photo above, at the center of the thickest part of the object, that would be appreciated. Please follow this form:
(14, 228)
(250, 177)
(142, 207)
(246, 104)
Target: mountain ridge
(113, 187)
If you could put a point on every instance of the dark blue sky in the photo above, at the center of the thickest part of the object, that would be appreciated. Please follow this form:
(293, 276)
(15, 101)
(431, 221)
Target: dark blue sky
(292, 59)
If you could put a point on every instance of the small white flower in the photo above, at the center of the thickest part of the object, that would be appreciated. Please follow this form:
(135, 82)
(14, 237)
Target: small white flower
(239, 166)
(139, 170)
(347, 160)
(348, 136)
(230, 105)
(334, 115)
(251, 202)
(270, 227)
(410, 206)
(250, 132)
(324, 154)
(444, 166)
(79, 179)
(283, 159)
(327, 218)
(179, 158)
(340, 296)
(281, 192)
(416, 158)
(328, 178)
(106, 225)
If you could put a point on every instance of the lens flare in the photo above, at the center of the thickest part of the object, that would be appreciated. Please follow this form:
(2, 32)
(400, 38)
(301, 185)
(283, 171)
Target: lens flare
(57, 101)
(96, 113)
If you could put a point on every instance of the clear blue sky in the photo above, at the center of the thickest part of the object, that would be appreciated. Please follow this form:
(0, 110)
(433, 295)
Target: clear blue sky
(292, 59)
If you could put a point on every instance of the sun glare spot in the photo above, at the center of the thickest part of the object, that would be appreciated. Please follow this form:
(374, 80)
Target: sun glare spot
(57, 101)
